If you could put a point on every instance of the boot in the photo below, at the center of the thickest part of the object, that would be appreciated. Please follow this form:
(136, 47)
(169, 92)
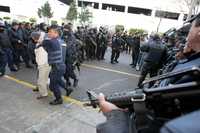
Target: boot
(56, 102)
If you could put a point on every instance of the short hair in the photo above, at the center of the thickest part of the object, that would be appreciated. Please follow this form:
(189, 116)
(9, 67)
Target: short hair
(54, 27)
(35, 35)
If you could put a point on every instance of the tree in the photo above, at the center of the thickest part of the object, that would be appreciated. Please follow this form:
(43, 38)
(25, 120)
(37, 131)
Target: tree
(6, 18)
(134, 31)
(54, 22)
(45, 11)
(32, 20)
(72, 14)
(119, 28)
(85, 16)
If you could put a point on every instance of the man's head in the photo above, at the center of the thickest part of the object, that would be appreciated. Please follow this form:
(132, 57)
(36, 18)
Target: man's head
(53, 31)
(15, 25)
(2, 26)
(193, 39)
(35, 36)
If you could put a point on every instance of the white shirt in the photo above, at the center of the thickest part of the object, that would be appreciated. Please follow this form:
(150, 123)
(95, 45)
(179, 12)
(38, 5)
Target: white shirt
(40, 53)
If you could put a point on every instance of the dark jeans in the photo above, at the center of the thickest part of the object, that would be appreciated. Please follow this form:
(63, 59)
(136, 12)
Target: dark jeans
(21, 52)
(6, 58)
(69, 73)
(135, 55)
(115, 54)
(56, 81)
(101, 52)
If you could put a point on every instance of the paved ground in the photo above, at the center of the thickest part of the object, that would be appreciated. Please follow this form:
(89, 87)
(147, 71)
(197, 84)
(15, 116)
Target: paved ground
(20, 112)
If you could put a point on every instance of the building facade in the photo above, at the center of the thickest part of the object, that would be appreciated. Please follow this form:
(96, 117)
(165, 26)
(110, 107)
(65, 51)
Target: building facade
(150, 15)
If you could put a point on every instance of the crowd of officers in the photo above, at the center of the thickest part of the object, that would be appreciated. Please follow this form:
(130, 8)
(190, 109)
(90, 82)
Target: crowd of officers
(20, 42)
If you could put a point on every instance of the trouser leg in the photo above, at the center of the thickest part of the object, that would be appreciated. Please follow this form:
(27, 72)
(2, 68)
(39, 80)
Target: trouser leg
(143, 75)
(117, 55)
(42, 81)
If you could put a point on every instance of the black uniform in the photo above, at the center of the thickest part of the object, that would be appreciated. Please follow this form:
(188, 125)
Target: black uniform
(20, 48)
(135, 50)
(153, 59)
(6, 54)
(116, 47)
(70, 59)
(101, 45)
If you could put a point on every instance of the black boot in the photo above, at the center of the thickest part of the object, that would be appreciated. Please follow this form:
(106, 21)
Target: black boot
(69, 91)
(29, 66)
(2, 74)
(36, 89)
(75, 83)
(112, 62)
(56, 102)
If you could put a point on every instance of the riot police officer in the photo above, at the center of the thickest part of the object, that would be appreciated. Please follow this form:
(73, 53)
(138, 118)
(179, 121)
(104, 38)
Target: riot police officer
(71, 56)
(101, 43)
(153, 59)
(6, 54)
(116, 47)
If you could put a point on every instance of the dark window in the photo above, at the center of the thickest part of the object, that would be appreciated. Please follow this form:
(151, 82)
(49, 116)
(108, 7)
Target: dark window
(96, 5)
(168, 15)
(118, 8)
(4, 9)
(86, 3)
(68, 2)
(136, 10)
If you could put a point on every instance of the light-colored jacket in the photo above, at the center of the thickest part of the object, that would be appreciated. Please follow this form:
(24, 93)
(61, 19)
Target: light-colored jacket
(40, 53)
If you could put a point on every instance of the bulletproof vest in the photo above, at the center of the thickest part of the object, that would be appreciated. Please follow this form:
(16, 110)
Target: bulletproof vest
(116, 41)
(4, 40)
(155, 52)
(55, 56)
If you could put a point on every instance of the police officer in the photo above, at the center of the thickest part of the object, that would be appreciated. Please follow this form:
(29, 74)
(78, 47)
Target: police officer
(70, 57)
(17, 40)
(55, 60)
(135, 50)
(6, 54)
(116, 47)
(101, 43)
(153, 59)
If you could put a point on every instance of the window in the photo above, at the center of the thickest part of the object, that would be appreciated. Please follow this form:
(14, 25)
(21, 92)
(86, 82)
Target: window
(86, 3)
(68, 2)
(4, 9)
(168, 15)
(118, 8)
(136, 10)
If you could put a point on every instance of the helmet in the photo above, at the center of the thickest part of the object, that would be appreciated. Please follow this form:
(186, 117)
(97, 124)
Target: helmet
(2, 24)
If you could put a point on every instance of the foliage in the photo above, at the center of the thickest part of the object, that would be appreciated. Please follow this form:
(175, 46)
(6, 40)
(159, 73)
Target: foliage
(32, 20)
(119, 28)
(134, 31)
(54, 22)
(72, 14)
(45, 11)
(85, 16)
(6, 18)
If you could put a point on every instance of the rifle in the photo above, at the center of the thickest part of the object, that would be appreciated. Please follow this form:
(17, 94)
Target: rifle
(156, 105)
